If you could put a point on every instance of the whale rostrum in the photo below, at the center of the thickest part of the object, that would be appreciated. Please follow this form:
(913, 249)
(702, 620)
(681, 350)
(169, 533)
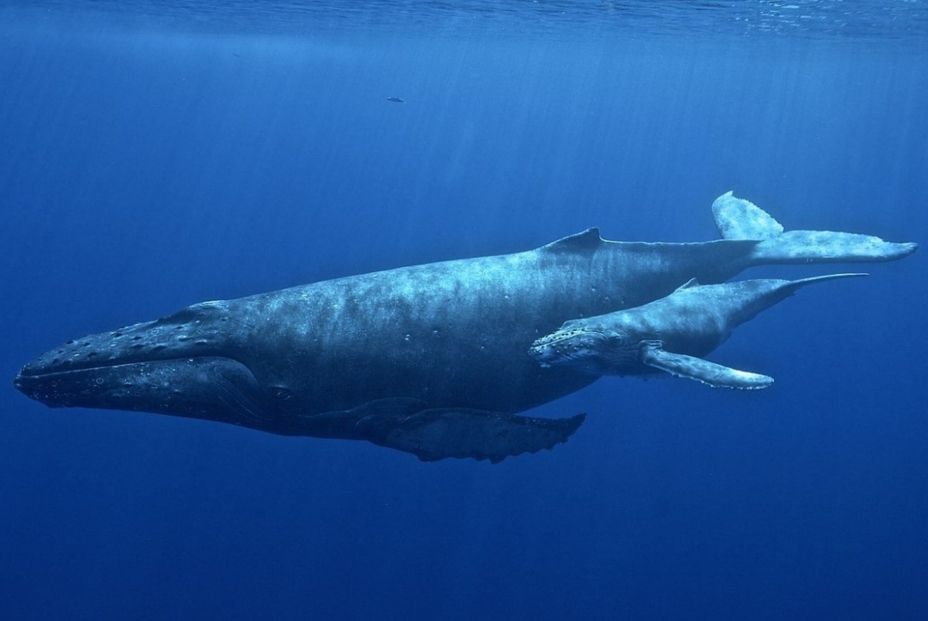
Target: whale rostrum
(429, 359)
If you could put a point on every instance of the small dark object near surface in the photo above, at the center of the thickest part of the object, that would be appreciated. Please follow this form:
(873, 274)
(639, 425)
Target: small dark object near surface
(396, 99)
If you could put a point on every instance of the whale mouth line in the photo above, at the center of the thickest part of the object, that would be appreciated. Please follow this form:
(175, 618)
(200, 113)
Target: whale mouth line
(116, 365)
(112, 365)
(184, 384)
(38, 382)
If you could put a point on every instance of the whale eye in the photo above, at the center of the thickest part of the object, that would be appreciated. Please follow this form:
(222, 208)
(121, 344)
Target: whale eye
(281, 393)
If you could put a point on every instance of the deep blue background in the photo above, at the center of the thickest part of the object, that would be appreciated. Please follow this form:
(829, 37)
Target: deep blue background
(143, 169)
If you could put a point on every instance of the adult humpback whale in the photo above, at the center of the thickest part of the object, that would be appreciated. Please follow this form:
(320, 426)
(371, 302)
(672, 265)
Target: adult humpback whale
(430, 359)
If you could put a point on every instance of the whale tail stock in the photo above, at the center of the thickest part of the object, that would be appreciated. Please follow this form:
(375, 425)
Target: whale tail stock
(737, 218)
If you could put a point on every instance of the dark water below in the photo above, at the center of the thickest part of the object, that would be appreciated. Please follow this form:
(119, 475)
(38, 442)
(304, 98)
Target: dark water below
(153, 155)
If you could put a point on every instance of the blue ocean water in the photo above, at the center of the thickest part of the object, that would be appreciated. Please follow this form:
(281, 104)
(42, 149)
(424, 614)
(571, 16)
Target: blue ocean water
(159, 154)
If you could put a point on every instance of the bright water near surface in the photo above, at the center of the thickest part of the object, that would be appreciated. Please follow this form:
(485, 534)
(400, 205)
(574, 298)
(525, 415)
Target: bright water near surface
(157, 154)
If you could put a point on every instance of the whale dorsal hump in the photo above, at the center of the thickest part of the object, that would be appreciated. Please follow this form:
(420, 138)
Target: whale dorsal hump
(737, 218)
(692, 282)
(589, 239)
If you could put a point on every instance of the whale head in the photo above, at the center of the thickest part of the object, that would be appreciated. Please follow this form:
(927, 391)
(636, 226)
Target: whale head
(588, 347)
(192, 363)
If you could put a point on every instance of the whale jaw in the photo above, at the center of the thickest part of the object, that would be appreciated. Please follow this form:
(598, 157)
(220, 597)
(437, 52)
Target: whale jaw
(209, 387)
(184, 364)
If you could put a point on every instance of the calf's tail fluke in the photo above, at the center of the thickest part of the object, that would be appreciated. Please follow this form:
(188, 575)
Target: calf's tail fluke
(792, 285)
(738, 218)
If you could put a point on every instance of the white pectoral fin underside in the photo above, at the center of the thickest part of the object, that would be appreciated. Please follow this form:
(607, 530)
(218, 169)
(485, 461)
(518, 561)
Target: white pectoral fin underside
(691, 367)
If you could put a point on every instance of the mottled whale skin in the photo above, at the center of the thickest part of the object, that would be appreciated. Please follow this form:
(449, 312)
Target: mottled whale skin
(671, 334)
(429, 359)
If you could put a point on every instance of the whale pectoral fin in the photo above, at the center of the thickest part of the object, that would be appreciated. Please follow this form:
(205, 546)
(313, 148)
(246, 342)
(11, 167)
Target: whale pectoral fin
(457, 432)
(691, 367)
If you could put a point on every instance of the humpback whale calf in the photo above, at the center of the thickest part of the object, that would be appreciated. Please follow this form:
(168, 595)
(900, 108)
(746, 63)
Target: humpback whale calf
(429, 359)
(670, 334)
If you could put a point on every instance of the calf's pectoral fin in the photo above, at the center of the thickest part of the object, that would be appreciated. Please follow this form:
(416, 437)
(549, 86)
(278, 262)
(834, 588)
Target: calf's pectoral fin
(691, 367)
(458, 432)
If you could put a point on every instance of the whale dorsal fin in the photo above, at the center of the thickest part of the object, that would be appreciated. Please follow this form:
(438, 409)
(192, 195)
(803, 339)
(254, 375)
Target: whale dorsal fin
(691, 367)
(589, 239)
(692, 282)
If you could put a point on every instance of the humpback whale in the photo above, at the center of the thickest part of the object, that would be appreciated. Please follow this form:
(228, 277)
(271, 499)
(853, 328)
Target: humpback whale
(671, 334)
(429, 359)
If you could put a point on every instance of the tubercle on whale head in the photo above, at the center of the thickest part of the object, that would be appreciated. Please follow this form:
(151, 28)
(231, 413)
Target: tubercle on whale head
(193, 331)
(583, 346)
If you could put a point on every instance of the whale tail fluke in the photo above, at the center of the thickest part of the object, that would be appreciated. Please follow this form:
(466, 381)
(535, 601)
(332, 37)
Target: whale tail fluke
(828, 247)
(779, 290)
(802, 282)
(737, 218)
